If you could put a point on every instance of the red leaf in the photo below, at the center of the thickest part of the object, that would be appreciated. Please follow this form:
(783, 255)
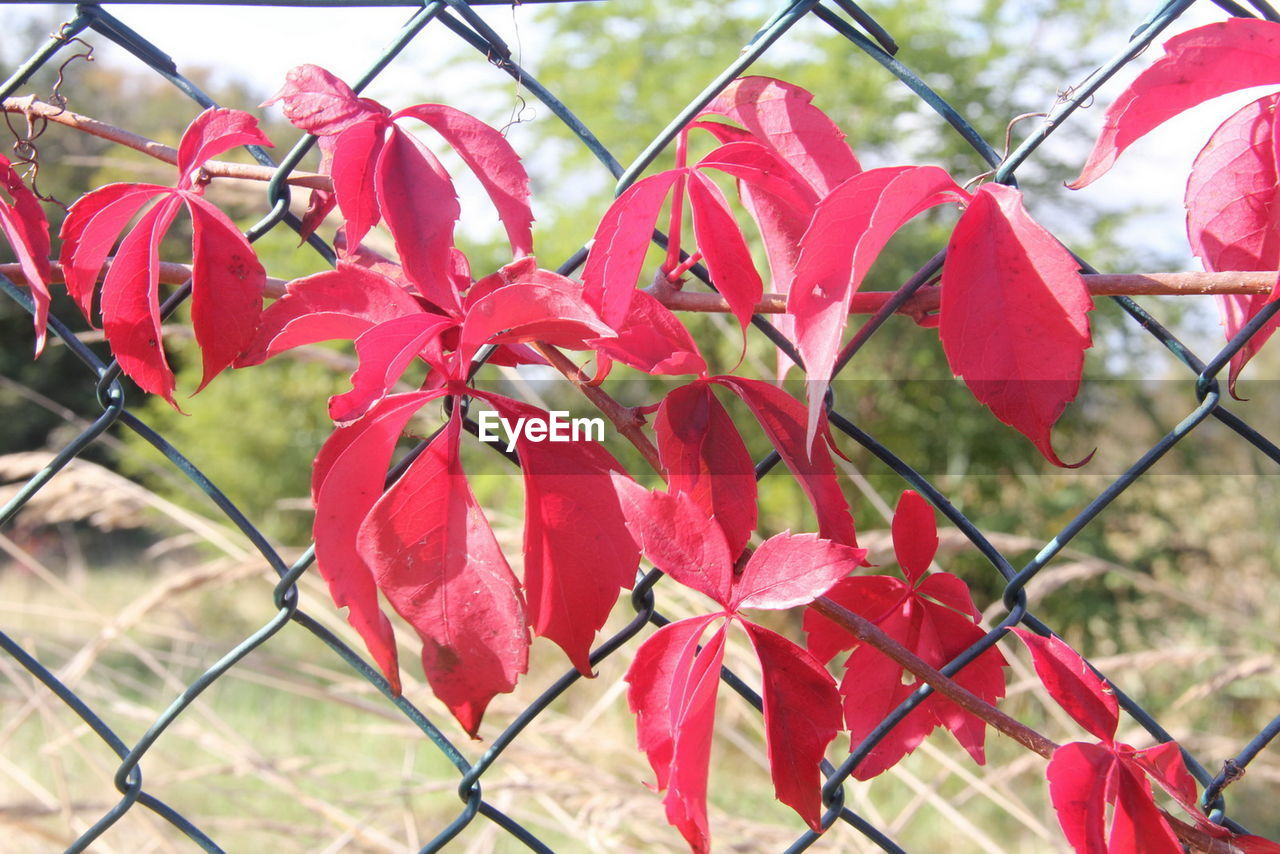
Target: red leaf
(678, 538)
(873, 684)
(801, 718)
(385, 351)
(1084, 779)
(1082, 693)
(915, 535)
(782, 117)
(320, 103)
(90, 230)
(530, 311)
(356, 153)
(621, 241)
(341, 303)
(488, 154)
(652, 339)
(227, 282)
(1233, 220)
(1014, 315)
(849, 228)
(572, 571)
(759, 169)
(705, 458)
(951, 591)
(1164, 764)
(782, 417)
(659, 663)
(1079, 775)
(693, 720)
(420, 206)
(211, 133)
(724, 249)
(23, 224)
(346, 481)
(788, 570)
(130, 302)
(436, 560)
(1198, 65)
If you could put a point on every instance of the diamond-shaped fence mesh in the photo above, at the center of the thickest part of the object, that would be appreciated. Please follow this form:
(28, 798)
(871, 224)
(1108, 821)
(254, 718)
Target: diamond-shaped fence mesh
(521, 788)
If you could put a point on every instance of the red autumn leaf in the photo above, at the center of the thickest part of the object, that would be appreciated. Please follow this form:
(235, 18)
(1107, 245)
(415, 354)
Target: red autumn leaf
(213, 132)
(933, 616)
(778, 199)
(782, 418)
(131, 302)
(1233, 221)
(226, 309)
(357, 151)
(679, 539)
(320, 103)
(89, 232)
(1197, 65)
(420, 206)
(621, 241)
(384, 351)
(1014, 315)
(652, 339)
(705, 458)
(1089, 784)
(758, 168)
(530, 311)
(849, 228)
(692, 707)
(23, 224)
(436, 560)
(572, 571)
(335, 304)
(346, 481)
(801, 718)
(915, 535)
(668, 653)
(1073, 685)
(789, 570)
(673, 692)
(227, 279)
(494, 162)
(724, 249)
(782, 117)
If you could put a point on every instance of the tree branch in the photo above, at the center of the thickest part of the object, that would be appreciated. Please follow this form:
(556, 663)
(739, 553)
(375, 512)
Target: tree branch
(927, 300)
(627, 420)
(30, 106)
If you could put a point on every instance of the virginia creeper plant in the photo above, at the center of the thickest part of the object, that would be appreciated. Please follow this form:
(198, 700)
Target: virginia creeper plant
(1011, 310)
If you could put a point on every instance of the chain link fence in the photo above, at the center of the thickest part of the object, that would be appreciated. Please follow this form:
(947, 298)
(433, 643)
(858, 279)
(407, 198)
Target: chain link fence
(33, 685)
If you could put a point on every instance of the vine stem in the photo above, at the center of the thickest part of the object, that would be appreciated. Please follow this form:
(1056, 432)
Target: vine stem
(920, 306)
(31, 106)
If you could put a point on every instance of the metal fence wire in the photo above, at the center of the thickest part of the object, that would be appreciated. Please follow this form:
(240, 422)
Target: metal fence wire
(865, 38)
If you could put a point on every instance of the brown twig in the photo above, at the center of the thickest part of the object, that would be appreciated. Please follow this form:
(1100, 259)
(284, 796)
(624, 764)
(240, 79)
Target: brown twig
(626, 420)
(31, 106)
(927, 300)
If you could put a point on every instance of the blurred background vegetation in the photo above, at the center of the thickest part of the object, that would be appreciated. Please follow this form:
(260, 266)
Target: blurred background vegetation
(1167, 590)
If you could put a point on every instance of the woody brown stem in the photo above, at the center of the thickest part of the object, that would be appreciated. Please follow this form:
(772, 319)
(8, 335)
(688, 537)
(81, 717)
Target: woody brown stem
(927, 300)
(30, 106)
(625, 419)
